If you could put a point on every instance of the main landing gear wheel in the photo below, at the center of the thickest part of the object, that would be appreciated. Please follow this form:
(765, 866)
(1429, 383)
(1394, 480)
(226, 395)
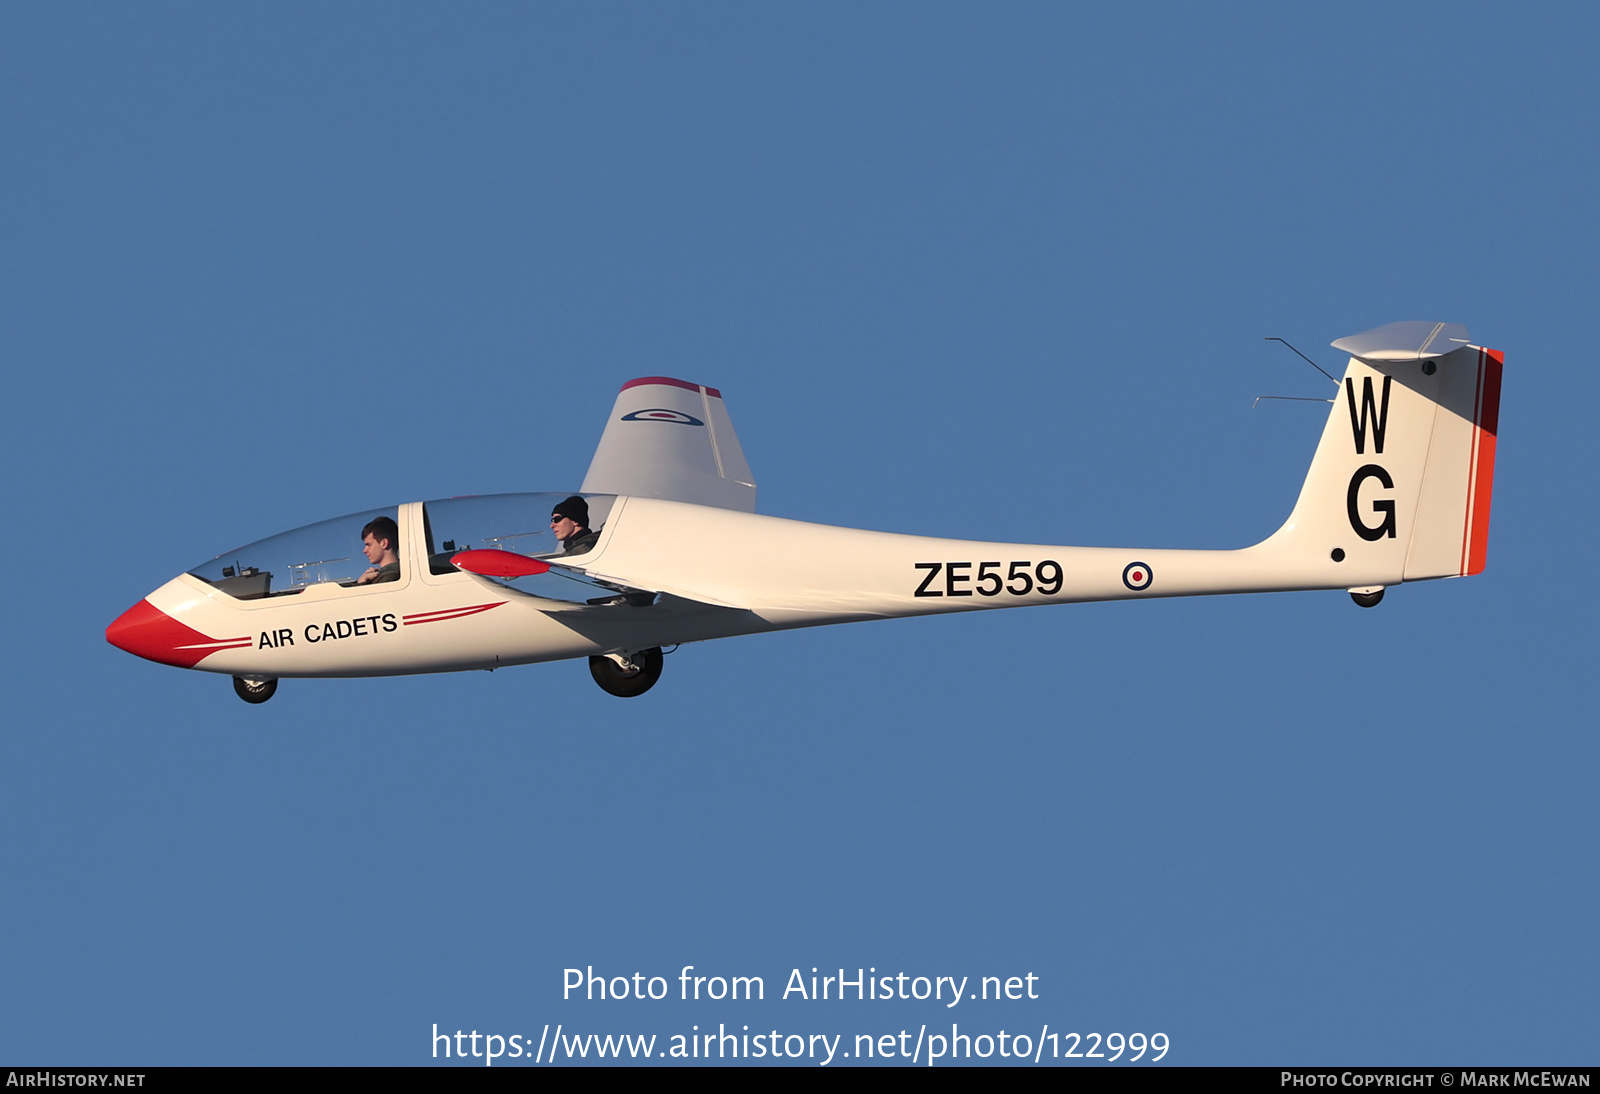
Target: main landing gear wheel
(254, 691)
(638, 676)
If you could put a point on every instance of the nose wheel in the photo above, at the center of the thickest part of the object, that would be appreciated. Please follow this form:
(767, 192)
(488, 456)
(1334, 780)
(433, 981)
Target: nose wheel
(626, 675)
(254, 691)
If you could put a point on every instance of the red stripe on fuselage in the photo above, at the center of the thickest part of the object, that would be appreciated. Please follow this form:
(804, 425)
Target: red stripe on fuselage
(448, 613)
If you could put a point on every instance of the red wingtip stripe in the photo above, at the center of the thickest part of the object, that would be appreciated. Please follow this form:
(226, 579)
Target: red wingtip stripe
(495, 563)
(670, 382)
(1475, 549)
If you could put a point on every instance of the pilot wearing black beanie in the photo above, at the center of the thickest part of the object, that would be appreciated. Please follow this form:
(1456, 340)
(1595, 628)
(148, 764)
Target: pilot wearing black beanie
(570, 522)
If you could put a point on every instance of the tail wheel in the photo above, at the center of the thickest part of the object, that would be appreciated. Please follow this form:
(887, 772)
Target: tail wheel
(638, 676)
(254, 691)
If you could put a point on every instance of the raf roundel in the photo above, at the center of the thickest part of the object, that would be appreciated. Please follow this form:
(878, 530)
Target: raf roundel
(1137, 576)
(662, 415)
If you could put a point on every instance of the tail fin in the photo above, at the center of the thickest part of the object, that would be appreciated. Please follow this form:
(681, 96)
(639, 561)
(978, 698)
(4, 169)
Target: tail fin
(1400, 485)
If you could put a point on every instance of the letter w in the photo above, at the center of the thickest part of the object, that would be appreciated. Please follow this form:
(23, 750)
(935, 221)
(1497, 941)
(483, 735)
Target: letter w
(1371, 411)
(577, 1045)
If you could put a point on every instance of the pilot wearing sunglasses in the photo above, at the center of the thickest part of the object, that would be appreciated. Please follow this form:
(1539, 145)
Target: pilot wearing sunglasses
(570, 523)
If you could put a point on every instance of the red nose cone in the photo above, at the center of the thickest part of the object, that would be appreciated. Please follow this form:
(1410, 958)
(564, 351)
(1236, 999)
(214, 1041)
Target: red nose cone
(146, 631)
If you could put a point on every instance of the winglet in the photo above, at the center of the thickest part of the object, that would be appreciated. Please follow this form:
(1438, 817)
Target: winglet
(668, 438)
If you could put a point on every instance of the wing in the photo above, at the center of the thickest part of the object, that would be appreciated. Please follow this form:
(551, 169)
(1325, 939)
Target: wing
(671, 439)
(565, 589)
(607, 611)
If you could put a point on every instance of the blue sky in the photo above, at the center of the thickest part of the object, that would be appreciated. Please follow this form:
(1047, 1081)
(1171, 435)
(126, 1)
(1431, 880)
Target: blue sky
(994, 274)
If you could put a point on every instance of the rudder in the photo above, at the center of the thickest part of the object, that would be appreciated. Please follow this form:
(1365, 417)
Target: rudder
(1400, 486)
(1452, 536)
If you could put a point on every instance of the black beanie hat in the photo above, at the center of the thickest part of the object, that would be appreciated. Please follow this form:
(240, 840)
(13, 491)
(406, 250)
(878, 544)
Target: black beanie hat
(574, 509)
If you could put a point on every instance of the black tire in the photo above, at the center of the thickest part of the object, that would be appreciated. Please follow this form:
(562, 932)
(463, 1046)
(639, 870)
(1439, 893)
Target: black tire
(1367, 600)
(613, 680)
(254, 693)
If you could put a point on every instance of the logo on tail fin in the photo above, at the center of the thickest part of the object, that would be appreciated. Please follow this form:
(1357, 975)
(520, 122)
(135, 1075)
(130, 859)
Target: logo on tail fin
(660, 414)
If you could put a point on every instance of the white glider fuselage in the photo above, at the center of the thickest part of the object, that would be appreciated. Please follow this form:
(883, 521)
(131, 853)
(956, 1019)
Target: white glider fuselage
(1398, 490)
(720, 573)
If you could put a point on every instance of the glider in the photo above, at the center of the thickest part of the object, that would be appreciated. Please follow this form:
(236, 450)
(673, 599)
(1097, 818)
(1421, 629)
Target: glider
(670, 548)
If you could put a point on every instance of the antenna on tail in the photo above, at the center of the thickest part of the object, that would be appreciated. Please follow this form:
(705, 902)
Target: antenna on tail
(1303, 357)
(1296, 398)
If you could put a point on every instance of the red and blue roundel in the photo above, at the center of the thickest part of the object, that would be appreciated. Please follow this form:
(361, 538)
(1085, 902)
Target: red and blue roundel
(1137, 576)
(662, 415)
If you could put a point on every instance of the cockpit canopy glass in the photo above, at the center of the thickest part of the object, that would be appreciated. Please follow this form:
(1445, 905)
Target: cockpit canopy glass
(290, 562)
(331, 550)
(504, 522)
(519, 523)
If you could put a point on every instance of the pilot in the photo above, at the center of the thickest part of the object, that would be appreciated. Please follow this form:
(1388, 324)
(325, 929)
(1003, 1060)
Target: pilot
(570, 522)
(378, 542)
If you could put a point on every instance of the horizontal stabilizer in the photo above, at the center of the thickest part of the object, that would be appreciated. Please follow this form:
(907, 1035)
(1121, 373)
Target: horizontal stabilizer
(673, 440)
(1414, 340)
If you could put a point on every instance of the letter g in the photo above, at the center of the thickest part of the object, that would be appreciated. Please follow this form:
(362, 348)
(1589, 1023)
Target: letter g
(1385, 507)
